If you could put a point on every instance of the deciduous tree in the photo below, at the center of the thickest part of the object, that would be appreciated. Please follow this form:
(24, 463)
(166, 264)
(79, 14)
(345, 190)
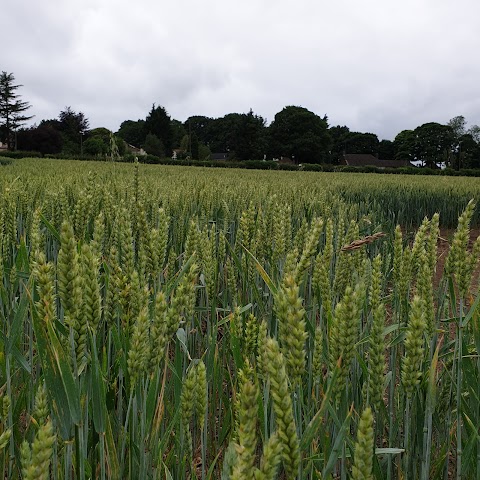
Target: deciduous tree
(386, 150)
(154, 146)
(44, 139)
(433, 142)
(404, 145)
(73, 126)
(133, 132)
(250, 138)
(358, 142)
(300, 134)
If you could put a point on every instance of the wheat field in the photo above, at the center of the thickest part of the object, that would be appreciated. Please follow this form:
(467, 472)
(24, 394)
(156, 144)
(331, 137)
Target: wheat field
(190, 323)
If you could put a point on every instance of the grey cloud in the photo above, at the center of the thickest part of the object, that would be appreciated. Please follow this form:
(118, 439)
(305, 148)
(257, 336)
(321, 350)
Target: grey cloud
(374, 65)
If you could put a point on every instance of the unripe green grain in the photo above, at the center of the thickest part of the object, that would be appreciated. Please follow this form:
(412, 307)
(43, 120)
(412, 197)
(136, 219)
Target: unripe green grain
(405, 273)
(321, 282)
(187, 401)
(43, 273)
(201, 393)
(41, 410)
(290, 263)
(208, 259)
(171, 266)
(221, 247)
(292, 334)
(159, 331)
(183, 301)
(344, 334)
(457, 262)
(25, 458)
(193, 400)
(250, 336)
(36, 239)
(309, 250)
(192, 241)
(6, 403)
(419, 242)
(5, 438)
(328, 248)
(247, 417)
(41, 453)
(300, 236)
(69, 277)
(282, 405)
(412, 361)
(363, 461)
(271, 458)
(139, 352)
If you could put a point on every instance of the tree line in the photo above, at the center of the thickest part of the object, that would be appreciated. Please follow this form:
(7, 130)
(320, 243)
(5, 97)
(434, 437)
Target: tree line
(295, 133)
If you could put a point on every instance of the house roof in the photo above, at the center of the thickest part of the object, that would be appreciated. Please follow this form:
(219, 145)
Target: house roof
(133, 148)
(365, 159)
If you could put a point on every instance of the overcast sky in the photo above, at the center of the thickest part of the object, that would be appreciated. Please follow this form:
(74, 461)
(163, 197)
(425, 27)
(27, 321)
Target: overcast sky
(376, 66)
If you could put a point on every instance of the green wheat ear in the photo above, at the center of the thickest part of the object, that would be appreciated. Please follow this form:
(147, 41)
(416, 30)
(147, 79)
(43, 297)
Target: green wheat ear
(159, 331)
(139, 352)
(282, 405)
(247, 431)
(5, 438)
(344, 335)
(271, 458)
(201, 393)
(43, 273)
(363, 459)
(309, 250)
(68, 275)
(457, 262)
(193, 400)
(36, 460)
(292, 334)
(412, 361)
(41, 410)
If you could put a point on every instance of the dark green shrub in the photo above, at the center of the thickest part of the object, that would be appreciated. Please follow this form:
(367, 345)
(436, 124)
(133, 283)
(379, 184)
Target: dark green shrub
(20, 154)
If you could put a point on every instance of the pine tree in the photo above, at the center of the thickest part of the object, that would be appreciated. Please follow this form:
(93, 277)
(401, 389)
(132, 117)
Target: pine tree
(11, 107)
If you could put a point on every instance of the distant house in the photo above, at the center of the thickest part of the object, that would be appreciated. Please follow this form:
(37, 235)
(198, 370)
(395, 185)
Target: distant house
(435, 166)
(367, 160)
(135, 150)
(3, 146)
